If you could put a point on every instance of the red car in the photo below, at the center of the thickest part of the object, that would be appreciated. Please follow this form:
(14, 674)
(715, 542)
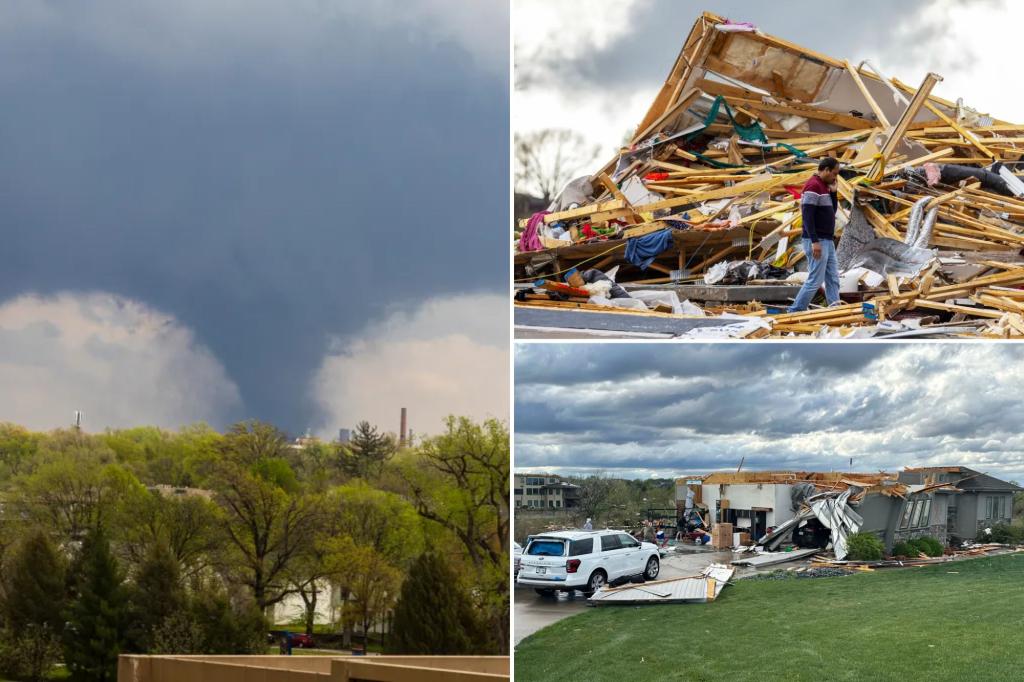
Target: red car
(302, 641)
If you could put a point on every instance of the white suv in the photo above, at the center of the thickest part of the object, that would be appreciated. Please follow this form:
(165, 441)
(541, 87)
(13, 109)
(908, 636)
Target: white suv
(585, 560)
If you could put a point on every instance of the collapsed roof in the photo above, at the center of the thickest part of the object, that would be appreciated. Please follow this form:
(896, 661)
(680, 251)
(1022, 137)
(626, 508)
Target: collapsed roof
(706, 193)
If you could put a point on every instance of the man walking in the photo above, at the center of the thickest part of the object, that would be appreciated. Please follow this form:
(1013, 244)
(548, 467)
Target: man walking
(818, 206)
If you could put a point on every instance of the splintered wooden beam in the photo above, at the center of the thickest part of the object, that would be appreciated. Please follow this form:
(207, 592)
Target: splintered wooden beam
(896, 133)
(879, 114)
(583, 211)
(752, 100)
(966, 134)
(681, 105)
(748, 187)
(617, 194)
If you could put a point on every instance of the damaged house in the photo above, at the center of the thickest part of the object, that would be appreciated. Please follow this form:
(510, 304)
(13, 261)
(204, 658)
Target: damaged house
(820, 509)
(972, 502)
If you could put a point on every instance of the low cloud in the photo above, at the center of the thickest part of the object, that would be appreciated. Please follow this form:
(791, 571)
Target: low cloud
(118, 361)
(667, 410)
(448, 356)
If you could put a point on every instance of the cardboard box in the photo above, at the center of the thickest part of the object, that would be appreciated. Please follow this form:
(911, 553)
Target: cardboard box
(744, 539)
(721, 535)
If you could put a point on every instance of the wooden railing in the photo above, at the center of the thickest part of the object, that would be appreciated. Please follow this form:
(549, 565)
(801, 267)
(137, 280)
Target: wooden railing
(312, 668)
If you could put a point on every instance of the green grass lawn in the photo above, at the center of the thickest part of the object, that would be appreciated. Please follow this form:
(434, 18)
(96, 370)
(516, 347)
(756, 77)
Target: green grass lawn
(956, 621)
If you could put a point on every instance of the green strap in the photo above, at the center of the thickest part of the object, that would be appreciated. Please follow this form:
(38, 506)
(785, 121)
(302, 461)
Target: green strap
(750, 133)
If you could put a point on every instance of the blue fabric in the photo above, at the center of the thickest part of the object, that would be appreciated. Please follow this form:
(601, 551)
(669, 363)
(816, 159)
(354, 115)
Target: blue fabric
(641, 251)
(824, 270)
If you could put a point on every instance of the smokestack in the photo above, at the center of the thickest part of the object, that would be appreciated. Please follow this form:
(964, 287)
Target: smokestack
(401, 432)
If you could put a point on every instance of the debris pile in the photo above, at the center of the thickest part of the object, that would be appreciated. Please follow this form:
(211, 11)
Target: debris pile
(700, 588)
(694, 228)
(899, 562)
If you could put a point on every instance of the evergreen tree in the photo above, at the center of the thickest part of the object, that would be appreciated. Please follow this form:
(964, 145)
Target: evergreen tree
(34, 607)
(434, 615)
(226, 628)
(367, 452)
(156, 595)
(95, 631)
(35, 584)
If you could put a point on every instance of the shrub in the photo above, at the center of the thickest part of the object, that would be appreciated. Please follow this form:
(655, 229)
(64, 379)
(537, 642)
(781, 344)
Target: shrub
(927, 545)
(865, 547)
(903, 549)
(1004, 533)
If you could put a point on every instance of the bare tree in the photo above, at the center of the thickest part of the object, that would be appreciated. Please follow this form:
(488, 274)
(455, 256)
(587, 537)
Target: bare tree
(547, 159)
(595, 495)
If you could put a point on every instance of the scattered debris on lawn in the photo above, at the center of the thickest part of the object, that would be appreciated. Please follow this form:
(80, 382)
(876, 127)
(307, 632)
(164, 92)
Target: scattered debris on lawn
(898, 562)
(699, 216)
(802, 572)
(699, 588)
(761, 559)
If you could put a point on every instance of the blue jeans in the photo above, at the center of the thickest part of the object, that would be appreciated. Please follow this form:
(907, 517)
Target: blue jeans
(824, 270)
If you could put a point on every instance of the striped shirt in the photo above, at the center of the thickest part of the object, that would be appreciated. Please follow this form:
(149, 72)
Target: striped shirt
(818, 208)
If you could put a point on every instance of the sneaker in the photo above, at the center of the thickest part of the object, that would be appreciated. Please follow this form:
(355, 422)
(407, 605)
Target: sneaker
(835, 304)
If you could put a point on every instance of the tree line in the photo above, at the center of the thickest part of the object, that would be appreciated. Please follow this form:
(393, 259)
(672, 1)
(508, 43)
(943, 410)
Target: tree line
(154, 541)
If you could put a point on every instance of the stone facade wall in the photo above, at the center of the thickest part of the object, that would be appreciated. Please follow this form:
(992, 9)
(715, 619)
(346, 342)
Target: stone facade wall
(937, 531)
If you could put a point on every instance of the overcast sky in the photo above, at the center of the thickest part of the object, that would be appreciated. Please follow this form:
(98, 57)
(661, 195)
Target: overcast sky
(665, 410)
(221, 209)
(595, 65)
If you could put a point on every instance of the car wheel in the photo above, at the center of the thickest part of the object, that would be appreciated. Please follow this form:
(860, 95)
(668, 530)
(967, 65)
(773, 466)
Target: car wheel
(653, 568)
(544, 591)
(598, 579)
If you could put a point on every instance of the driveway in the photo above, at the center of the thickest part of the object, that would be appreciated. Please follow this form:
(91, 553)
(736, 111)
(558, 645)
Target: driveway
(533, 612)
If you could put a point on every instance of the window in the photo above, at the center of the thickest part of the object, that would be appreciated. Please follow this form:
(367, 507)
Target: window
(915, 518)
(628, 540)
(546, 547)
(558, 504)
(519, 491)
(908, 509)
(578, 547)
(610, 542)
(551, 504)
(995, 507)
(916, 514)
(926, 510)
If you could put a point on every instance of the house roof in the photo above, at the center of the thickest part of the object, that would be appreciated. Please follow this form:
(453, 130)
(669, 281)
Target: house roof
(968, 479)
(787, 477)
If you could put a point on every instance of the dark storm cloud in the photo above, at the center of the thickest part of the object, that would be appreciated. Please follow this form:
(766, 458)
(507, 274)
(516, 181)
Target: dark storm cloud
(697, 407)
(643, 55)
(571, 365)
(269, 188)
